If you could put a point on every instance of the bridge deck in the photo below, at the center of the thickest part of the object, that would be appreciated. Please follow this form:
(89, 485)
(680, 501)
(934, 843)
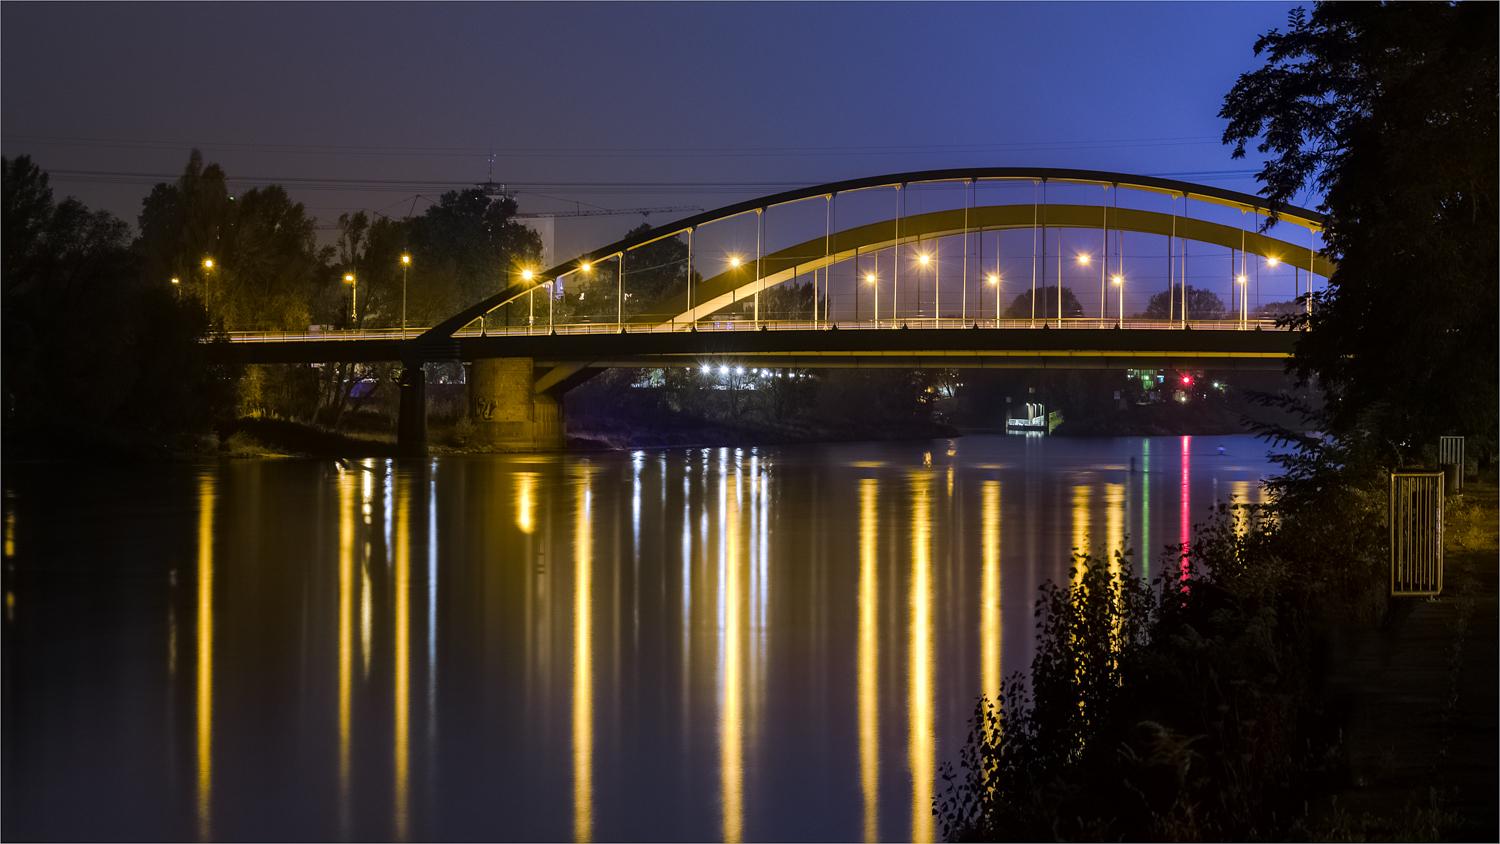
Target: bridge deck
(1080, 344)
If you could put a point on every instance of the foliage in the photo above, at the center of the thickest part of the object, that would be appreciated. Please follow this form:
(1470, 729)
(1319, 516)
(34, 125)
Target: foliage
(466, 247)
(1391, 110)
(1276, 310)
(267, 266)
(1046, 305)
(1202, 304)
(95, 351)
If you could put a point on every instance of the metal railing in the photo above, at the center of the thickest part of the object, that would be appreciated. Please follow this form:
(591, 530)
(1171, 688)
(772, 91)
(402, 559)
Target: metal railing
(928, 323)
(1416, 516)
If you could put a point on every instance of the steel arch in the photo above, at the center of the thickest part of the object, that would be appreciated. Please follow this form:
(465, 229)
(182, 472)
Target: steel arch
(722, 290)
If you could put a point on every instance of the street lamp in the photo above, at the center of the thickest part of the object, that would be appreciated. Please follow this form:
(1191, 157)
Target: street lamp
(995, 280)
(208, 264)
(405, 264)
(1244, 290)
(353, 299)
(870, 279)
(1120, 285)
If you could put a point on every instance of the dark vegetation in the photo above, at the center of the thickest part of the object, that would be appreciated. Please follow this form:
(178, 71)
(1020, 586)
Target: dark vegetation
(625, 408)
(1197, 708)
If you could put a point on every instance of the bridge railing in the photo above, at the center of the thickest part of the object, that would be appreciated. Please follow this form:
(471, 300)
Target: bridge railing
(708, 325)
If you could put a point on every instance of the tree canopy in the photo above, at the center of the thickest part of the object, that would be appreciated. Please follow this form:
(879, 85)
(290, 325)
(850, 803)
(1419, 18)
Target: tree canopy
(1390, 110)
(1202, 304)
(1046, 306)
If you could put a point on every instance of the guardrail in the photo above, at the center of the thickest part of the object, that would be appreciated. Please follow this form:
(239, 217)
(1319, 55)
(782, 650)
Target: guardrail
(752, 325)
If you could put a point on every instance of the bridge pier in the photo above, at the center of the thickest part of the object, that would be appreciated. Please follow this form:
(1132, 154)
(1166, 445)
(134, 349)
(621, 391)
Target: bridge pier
(511, 409)
(411, 424)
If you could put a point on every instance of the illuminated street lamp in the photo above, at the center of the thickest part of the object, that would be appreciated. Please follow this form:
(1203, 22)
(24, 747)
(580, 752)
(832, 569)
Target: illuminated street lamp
(1120, 285)
(1244, 299)
(405, 264)
(870, 279)
(995, 280)
(353, 299)
(208, 264)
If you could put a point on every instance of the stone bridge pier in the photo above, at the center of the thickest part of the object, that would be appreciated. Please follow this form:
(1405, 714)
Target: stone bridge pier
(516, 406)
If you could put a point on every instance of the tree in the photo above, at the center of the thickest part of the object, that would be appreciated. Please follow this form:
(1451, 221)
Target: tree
(1046, 305)
(465, 248)
(1390, 110)
(1202, 304)
(267, 268)
(95, 349)
(1276, 310)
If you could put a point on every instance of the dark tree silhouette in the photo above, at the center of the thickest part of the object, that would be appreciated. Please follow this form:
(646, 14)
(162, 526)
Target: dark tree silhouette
(1390, 110)
(1202, 304)
(1046, 305)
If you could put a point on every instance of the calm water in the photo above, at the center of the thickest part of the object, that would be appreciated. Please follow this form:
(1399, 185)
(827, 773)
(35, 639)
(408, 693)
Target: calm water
(773, 643)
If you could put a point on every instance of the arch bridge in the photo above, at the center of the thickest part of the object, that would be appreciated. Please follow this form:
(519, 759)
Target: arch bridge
(856, 276)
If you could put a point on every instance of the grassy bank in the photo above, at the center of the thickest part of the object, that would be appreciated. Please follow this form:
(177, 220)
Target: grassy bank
(1214, 704)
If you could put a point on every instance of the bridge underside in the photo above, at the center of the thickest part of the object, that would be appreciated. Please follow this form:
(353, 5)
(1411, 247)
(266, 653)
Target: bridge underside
(981, 348)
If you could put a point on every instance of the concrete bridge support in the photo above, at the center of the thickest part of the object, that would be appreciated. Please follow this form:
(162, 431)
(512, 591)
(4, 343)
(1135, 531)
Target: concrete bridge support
(411, 424)
(512, 409)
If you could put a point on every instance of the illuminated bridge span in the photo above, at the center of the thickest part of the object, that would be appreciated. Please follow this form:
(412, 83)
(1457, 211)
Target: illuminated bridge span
(1003, 267)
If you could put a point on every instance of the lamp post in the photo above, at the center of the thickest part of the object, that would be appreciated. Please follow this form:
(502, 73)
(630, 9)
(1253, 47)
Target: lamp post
(1243, 300)
(531, 301)
(1083, 260)
(1120, 286)
(177, 286)
(353, 299)
(405, 263)
(921, 262)
(995, 280)
(208, 265)
(870, 279)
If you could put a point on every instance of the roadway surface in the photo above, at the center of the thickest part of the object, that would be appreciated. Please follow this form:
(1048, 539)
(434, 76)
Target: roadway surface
(946, 344)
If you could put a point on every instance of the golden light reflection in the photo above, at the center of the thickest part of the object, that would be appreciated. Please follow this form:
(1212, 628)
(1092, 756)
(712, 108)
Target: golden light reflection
(989, 611)
(1239, 492)
(346, 631)
(1146, 509)
(205, 656)
(1114, 525)
(526, 501)
(583, 669)
(869, 645)
(402, 584)
(731, 723)
(1080, 526)
(919, 662)
(10, 532)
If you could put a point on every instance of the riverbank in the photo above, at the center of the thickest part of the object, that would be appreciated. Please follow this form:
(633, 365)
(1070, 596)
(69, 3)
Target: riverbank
(1419, 701)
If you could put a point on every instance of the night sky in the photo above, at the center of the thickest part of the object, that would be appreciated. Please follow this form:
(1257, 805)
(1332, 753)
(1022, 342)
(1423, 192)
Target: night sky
(370, 105)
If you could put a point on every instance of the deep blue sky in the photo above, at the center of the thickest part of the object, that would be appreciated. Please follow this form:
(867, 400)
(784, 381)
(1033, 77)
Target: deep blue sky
(740, 99)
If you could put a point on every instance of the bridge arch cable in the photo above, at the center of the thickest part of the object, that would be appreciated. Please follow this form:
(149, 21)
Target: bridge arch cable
(713, 293)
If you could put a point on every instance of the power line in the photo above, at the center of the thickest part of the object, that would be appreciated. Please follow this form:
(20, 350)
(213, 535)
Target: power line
(594, 152)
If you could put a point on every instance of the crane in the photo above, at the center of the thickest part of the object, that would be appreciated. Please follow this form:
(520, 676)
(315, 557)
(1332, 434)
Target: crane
(492, 190)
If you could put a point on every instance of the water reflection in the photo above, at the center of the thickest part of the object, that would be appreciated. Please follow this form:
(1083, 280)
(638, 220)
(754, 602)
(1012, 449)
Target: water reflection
(869, 667)
(919, 656)
(757, 649)
(205, 656)
(989, 612)
(402, 686)
(346, 637)
(583, 664)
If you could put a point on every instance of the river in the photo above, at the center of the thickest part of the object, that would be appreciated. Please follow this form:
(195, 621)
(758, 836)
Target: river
(768, 643)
